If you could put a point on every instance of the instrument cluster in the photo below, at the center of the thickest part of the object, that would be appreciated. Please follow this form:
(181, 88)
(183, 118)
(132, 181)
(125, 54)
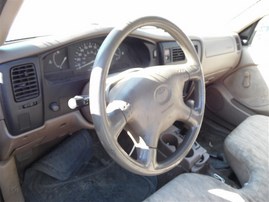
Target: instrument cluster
(78, 58)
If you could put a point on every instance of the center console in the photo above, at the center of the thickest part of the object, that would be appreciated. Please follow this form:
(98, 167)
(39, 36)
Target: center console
(197, 159)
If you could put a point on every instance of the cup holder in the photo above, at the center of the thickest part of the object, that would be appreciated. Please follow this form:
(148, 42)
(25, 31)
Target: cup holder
(190, 154)
(169, 143)
(170, 140)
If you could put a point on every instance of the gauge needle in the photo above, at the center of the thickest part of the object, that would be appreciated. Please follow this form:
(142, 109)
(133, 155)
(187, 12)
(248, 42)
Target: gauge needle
(61, 65)
(89, 63)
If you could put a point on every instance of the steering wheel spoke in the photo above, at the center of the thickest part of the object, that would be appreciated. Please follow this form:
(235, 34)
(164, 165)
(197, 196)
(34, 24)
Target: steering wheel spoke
(182, 73)
(148, 158)
(194, 72)
(117, 112)
(183, 112)
(195, 118)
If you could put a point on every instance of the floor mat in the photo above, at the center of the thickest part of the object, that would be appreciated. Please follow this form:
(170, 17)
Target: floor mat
(100, 179)
(111, 183)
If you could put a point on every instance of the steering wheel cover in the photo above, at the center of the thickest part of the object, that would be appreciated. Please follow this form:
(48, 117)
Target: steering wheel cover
(98, 106)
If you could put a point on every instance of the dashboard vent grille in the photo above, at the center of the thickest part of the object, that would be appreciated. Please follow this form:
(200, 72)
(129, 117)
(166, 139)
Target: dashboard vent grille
(24, 82)
(177, 54)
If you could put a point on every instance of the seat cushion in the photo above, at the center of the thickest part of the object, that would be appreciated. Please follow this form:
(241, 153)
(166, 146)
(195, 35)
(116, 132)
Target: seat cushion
(247, 149)
(192, 187)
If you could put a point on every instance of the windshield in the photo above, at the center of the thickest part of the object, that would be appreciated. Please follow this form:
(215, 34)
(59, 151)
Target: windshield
(48, 17)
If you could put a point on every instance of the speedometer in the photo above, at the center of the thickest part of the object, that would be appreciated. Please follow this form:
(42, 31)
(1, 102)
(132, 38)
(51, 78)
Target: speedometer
(84, 55)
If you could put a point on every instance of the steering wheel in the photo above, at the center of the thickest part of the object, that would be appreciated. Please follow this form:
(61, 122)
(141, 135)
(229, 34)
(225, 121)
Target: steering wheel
(146, 102)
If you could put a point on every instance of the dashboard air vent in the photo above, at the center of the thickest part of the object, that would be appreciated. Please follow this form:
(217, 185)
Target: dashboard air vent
(24, 82)
(177, 54)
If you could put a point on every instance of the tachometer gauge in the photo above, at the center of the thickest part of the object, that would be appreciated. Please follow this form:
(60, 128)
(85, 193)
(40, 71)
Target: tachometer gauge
(84, 55)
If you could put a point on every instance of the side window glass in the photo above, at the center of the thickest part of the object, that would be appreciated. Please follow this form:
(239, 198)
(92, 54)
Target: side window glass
(260, 42)
(261, 33)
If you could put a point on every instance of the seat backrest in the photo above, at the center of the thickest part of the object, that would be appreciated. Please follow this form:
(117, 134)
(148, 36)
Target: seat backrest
(247, 151)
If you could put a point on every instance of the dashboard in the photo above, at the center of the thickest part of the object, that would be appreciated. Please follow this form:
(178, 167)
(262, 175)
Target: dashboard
(39, 76)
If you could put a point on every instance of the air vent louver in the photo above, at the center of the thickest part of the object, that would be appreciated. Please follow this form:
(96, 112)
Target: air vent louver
(177, 54)
(24, 82)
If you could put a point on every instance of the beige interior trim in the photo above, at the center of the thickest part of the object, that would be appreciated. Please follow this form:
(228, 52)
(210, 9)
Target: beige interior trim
(52, 129)
(9, 181)
(7, 17)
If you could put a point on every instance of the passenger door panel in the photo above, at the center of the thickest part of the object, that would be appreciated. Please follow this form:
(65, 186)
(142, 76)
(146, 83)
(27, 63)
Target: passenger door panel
(249, 87)
(245, 91)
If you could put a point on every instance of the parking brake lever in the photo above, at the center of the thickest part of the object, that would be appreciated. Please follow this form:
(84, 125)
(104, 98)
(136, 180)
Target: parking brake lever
(78, 101)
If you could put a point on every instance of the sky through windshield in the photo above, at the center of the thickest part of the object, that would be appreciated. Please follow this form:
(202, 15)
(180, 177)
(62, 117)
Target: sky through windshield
(45, 17)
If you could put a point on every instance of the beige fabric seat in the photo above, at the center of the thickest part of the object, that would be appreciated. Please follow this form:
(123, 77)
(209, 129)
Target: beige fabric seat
(247, 151)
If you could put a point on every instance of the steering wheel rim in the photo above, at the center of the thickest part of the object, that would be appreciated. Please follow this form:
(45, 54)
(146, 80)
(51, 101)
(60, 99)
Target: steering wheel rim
(110, 119)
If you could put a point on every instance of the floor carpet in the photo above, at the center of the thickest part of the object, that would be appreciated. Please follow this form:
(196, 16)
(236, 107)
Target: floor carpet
(99, 179)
